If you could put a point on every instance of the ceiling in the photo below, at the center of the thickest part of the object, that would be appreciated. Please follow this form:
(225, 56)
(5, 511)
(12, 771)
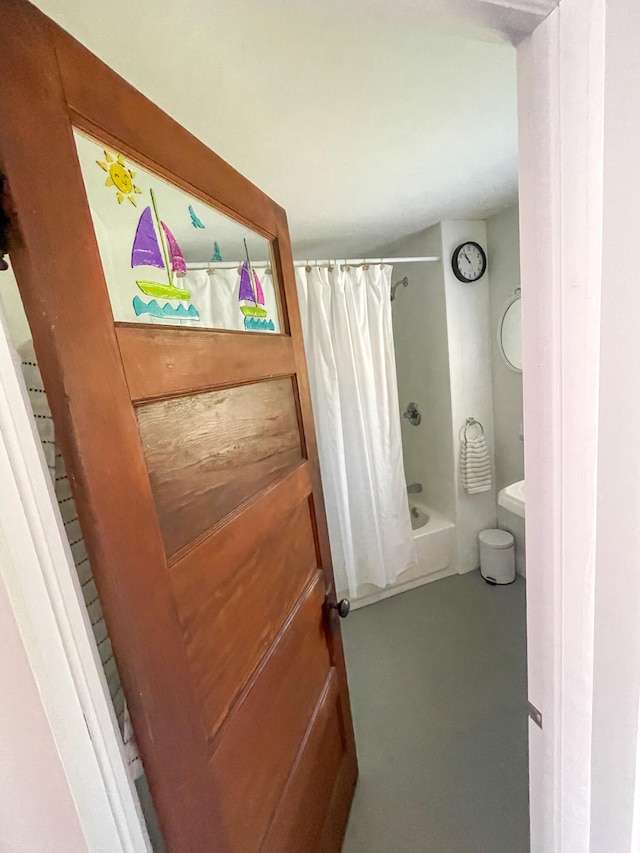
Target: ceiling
(366, 119)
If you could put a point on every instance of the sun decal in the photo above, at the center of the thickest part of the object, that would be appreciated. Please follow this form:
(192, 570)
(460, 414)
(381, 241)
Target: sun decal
(120, 177)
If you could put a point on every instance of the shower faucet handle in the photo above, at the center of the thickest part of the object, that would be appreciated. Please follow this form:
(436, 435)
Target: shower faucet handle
(413, 414)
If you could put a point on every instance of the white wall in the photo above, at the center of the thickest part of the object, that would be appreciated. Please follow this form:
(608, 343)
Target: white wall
(422, 361)
(37, 812)
(404, 106)
(13, 309)
(469, 325)
(503, 242)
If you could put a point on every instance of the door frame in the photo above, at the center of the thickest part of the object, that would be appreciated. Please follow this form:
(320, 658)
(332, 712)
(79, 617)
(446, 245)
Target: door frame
(559, 65)
(561, 82)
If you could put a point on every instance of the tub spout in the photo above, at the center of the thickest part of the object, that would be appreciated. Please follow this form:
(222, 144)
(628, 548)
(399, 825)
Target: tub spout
(414, 488)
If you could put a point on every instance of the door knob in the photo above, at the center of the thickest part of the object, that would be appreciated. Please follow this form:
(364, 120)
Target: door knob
(343, 607)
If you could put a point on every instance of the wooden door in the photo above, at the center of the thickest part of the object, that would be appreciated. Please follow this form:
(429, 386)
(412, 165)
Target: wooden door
(194, 465)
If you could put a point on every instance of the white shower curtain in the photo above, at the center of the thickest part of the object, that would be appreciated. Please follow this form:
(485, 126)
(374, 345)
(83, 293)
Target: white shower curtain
(346, 319)
(216, 295)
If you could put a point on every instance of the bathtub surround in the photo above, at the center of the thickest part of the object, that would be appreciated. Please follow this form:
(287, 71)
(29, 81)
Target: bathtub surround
(422, 361)
(503, 243)
(346, 319)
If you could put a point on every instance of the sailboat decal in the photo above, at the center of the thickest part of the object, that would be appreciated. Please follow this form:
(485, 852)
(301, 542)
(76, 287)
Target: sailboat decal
(155, 246)
(178, 263)
(247, 294)
(251, 300)
(146, 251)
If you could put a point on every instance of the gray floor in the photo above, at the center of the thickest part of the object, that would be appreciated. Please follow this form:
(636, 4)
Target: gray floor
(438, 688)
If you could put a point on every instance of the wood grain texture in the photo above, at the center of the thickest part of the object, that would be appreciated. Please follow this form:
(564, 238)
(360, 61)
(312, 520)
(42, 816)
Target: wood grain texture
(299, 821)
(337, 817)
(232, 607)
(161, 362)
(219, 794)
(94, 420)
(207, 454)
(255, 760)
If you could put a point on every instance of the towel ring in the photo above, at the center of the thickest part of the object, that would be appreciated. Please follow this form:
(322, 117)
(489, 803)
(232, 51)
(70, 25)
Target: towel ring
(473, 422)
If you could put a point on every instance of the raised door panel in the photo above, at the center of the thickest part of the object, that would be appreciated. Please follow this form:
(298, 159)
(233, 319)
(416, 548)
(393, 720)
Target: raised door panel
(159, 363)
(303, 808)
(231, 605)
(258, 745)
(208, 453)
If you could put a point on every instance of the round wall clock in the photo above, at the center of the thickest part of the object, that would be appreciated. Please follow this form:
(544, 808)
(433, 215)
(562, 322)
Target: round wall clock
(469, 262)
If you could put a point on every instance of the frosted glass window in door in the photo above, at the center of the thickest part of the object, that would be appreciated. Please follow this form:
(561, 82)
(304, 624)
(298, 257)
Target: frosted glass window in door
(154, 240)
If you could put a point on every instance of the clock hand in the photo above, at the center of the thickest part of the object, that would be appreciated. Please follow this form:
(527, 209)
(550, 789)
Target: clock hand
(466, 256)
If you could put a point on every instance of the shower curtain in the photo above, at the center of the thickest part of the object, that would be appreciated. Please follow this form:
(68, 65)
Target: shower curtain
(346, 319)
(216, 295)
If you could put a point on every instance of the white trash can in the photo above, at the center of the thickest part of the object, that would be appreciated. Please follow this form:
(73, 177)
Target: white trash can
(497, 556)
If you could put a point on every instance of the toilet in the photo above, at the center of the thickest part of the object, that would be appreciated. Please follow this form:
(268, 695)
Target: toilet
(497, 556)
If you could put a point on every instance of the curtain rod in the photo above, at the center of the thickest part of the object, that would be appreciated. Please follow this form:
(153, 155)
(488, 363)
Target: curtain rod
(351, 262)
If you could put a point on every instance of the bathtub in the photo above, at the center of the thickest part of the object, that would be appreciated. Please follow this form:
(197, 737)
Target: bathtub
(435, 542)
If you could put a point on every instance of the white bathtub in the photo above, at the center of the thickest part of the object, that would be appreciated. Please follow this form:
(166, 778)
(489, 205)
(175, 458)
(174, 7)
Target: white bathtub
(435, 544)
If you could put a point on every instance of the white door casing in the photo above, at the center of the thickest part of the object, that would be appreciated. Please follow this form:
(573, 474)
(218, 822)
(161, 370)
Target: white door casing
(48, 605)
(561, 85)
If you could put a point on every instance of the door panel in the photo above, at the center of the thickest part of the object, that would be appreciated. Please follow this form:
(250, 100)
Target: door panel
(208, 453)
(194, 467)
(164, 362)
(253, 761)
(231, 608)
(305, 803)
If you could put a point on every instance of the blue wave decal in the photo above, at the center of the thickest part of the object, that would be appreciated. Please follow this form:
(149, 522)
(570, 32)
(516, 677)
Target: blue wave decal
(153, 308)
(254, 324)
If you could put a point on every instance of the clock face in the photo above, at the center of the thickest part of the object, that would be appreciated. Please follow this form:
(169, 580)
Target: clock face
(469, 262)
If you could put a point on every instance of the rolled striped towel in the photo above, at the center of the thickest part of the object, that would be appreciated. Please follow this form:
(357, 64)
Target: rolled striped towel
(475, 465)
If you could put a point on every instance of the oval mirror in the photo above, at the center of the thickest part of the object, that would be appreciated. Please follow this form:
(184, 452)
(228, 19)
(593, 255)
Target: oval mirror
(509, 335)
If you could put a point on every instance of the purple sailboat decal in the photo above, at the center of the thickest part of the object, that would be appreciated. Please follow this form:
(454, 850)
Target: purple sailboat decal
(155, 246)
(146, 251)
(252, 295)
(252, 301)
(178, 264)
